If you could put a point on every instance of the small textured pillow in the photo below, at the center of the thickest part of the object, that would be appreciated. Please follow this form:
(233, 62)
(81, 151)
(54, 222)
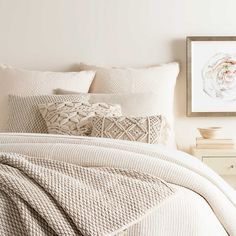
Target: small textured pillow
(24, 115)
(72, 118)
(151, 129)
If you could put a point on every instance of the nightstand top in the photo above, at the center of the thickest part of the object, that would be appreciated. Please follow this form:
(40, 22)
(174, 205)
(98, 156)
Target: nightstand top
(213, 152)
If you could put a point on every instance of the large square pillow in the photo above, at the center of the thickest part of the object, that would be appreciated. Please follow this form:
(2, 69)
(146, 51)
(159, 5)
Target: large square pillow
(24, 115)
(24, 82)
(158, 79)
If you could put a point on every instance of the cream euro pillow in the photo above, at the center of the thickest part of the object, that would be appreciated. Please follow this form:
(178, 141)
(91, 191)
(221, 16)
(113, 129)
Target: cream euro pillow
(151, 129)
(25, 83)
(72, 118)
(158, 79)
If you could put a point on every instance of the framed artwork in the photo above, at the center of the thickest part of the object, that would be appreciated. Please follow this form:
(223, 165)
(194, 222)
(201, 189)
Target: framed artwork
(211, 76)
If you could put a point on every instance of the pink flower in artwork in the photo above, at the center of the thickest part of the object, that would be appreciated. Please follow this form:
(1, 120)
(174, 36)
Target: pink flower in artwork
(219, 77)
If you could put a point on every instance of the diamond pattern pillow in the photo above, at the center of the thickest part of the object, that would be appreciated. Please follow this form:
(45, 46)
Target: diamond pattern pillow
(151, 129)
(72, 118)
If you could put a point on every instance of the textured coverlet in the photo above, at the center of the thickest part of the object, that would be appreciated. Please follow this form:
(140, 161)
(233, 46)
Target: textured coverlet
(205, 205)
(56, 198)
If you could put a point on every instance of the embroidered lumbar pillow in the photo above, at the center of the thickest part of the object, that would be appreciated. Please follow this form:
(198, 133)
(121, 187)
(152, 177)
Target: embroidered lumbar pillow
(71, 118)
(151, 129)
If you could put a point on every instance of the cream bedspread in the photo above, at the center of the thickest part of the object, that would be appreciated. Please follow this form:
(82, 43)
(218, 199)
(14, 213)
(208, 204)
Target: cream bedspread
(206, 205)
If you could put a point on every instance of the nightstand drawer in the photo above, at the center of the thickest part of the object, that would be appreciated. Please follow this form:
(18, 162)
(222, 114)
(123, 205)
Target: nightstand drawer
(222, 165)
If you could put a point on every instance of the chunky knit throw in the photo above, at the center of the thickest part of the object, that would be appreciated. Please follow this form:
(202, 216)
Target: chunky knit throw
(48, 197)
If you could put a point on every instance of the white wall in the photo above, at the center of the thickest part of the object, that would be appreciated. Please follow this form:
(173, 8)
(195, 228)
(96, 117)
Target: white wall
(56, 34)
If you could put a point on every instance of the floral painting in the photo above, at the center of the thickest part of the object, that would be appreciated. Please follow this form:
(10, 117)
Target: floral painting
(211, 76)
(219, 77)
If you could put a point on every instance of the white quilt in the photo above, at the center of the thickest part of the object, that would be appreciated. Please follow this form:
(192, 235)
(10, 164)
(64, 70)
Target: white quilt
(205, 205)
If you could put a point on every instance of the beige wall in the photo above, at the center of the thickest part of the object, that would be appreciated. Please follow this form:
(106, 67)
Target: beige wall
(56, 34)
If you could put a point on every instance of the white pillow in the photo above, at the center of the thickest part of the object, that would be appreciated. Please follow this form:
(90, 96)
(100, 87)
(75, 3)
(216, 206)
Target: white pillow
(136, 104)
(159, 79)
(132, 104)
(24, 82)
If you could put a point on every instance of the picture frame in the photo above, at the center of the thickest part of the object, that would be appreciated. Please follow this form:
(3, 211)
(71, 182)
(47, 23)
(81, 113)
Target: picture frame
(211, 76)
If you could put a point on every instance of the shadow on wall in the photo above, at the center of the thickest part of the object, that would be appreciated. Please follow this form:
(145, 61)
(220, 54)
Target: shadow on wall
(178, 48)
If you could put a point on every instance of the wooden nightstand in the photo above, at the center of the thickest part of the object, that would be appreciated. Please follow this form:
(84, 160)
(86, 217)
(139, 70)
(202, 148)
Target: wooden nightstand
(222, 161)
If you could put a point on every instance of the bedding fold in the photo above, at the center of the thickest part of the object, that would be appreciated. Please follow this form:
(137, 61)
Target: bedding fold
(57, 198)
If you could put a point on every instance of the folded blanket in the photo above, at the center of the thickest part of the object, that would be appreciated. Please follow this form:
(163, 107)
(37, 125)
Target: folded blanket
(49, 197)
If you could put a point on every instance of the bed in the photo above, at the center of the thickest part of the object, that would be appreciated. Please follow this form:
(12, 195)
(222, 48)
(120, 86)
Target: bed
(151, 188)
(203, 205)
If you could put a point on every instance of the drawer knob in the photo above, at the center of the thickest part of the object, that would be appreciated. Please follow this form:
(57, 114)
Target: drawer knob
(231, 167)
